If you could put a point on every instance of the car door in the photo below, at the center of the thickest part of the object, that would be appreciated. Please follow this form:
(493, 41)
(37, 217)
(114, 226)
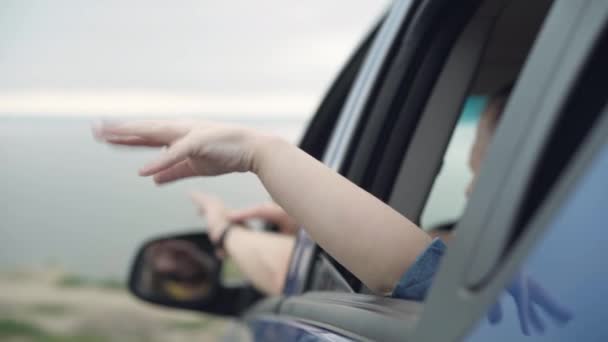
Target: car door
(540, 208)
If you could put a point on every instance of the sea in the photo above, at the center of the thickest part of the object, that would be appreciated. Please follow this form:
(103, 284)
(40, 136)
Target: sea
(68, 201)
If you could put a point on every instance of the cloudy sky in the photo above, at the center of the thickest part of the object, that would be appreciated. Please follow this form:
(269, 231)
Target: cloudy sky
(127, 57)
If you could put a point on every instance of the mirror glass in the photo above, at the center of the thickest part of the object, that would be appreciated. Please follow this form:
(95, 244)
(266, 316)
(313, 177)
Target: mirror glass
(181, 268)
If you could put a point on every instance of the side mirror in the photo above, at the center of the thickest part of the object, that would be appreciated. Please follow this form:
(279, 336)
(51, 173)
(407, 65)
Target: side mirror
(184, 272)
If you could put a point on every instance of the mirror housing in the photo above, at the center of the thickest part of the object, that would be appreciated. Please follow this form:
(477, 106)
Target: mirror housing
(182, 271)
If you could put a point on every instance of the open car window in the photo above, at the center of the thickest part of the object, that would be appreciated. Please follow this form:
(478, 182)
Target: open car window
(447, 199)
(400, 142)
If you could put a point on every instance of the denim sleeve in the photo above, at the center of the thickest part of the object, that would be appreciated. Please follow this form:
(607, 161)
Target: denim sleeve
(417, 280)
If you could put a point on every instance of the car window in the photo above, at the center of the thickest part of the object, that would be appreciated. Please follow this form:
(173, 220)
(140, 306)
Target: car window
(504, 56)
(446, 200)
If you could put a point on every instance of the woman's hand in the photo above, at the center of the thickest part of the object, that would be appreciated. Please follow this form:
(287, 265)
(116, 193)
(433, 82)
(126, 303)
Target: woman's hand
(193, 148)
(269, 212)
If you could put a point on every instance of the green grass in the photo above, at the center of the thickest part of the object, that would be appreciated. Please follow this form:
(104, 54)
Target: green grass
(110, 284)
(73, 281)
(201, 324)
(71, 338)
(14, 275)
(12, 328)
(78, 281)
(50, 309)
(230, 272)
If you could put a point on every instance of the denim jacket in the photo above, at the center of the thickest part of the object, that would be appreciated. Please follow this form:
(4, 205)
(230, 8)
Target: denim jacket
(417, 280)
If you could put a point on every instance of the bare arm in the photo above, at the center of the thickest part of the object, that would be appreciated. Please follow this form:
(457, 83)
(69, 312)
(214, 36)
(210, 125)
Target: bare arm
(371, 239)
(262, 257)
(368, 237)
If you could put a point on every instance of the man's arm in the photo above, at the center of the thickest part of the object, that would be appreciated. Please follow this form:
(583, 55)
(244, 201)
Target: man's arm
(262, 257)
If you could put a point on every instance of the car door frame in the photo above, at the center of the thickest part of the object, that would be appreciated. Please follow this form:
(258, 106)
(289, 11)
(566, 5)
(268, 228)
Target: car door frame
(368, 77)
(471, 277)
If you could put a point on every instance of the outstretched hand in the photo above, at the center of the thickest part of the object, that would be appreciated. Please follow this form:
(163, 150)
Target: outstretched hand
(192, 148)
(526, 294)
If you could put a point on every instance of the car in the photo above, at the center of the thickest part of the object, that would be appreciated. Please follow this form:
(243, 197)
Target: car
(538, 208)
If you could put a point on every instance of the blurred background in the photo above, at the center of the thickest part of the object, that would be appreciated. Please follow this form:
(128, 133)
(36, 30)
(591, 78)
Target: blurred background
(72, 211)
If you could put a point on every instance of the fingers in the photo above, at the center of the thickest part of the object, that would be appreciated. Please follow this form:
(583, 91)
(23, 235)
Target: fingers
(180, 170)
(558, 313)
(537, 323)
(495, 313)
(133, 141)
(156, 132)
(143, 128)
(522, 302)
(173, 155)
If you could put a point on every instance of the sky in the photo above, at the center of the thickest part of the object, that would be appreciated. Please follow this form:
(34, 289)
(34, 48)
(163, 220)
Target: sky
(191, 57)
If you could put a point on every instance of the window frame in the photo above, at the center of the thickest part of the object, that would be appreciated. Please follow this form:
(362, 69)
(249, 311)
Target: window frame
(463, 282)
(306, 251)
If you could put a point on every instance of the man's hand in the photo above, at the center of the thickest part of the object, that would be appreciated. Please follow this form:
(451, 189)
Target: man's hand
(214, 211)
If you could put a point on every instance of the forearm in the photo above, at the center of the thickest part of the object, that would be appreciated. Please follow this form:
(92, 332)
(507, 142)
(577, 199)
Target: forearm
(262, 257)
(368, 237)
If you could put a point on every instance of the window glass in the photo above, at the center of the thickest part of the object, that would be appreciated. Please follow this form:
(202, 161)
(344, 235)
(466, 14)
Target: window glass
(568, 266)
(447, 199)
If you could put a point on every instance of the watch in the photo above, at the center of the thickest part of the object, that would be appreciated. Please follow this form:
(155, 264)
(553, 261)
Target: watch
(219, 244)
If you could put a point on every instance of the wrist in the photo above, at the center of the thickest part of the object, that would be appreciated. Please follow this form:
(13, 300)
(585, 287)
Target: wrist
(216, 229)
(220, 242)
(265, 148)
